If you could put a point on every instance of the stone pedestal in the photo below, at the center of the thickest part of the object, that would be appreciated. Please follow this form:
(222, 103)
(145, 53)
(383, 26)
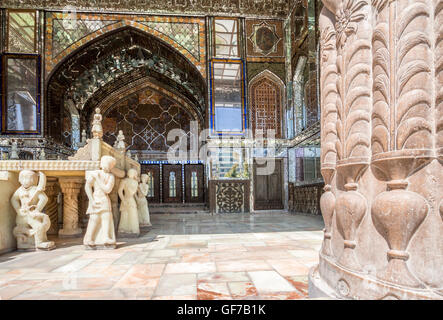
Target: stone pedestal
(71, 188)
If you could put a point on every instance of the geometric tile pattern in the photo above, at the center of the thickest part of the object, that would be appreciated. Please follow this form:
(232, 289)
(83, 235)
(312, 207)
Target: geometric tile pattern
(65, 34)
(199, 257)
(185, 34)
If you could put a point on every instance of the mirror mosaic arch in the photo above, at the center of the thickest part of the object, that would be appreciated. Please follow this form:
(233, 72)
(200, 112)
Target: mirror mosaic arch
(158, 60)
(64, 34)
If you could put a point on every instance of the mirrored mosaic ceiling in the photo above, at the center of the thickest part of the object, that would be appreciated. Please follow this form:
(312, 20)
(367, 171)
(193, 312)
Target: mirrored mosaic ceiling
(274, 8)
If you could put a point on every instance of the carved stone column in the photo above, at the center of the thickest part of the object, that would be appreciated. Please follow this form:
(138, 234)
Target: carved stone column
(71, 189)
(51, 208)
(328, 63)
(389, 177)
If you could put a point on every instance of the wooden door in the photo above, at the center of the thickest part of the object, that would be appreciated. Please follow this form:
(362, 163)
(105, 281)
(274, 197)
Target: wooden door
(172, 183)
(268, 188)
(194, 183)
(153, 170)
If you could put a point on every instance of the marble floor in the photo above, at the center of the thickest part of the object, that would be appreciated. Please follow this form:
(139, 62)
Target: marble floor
(261, 256)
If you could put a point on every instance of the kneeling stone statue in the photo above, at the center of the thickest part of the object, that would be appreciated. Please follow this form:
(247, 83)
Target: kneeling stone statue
(100, 232)
(32, 224)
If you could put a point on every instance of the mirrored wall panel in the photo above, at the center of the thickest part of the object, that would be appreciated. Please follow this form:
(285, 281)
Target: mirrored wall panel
(21, 98)
(21, 28)
(228, 96)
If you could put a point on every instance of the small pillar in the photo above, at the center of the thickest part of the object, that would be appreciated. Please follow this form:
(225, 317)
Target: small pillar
(71, 189)
(51, 208)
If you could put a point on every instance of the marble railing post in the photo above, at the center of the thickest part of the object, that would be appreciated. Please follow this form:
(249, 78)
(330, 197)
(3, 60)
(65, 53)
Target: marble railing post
(71, 189)
(51, 208)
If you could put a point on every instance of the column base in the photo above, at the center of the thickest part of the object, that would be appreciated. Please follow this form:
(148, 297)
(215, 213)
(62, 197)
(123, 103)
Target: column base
(70, 233)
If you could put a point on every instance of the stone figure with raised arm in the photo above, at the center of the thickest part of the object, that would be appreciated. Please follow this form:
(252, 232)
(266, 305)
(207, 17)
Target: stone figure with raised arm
(129, 224)
(142, 202)
(97, 128)
(100, 232)
(32, 224)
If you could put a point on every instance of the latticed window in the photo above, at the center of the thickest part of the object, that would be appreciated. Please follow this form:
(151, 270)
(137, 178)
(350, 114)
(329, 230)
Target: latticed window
(266, 106)
(172, 185)
(194, 185)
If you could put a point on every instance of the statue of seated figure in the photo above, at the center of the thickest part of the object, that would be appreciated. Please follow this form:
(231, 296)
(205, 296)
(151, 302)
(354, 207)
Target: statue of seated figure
(31, 223)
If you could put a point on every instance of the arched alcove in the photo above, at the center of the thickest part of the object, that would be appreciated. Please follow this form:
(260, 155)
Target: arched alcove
(113, 61)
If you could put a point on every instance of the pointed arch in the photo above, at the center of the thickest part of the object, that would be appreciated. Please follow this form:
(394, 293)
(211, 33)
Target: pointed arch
(77, 72)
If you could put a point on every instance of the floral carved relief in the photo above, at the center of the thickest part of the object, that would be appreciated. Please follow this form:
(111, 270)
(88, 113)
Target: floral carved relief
(381, 62)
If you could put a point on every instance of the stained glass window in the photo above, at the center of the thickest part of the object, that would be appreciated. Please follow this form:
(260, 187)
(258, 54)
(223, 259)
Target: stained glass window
(228, 96)
(194, 185)
(150, 185)
(20, 105)
(226, 37)
(172, 185)
(21, 31)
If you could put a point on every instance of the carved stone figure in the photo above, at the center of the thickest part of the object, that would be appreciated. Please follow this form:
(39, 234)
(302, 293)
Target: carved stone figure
(129, 224)
(120, 142)
(97, 129)
(14, 151)
(42, 155)
(83, 141)
(142, 202)
(100, 232)
(32, 224)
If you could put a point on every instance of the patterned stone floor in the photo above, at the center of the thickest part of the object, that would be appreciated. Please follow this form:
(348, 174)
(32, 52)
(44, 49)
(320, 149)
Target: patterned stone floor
(263, 256)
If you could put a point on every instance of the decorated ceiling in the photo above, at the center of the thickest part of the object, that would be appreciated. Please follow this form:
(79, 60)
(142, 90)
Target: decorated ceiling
(265, 8)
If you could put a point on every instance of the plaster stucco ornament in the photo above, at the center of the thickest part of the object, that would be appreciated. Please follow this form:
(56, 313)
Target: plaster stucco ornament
(97, 129)
(100, 232)
(31, 224)
(129, 224)
(142, 202)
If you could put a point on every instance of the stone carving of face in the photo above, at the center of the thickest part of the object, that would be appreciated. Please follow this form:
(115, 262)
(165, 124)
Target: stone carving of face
(144, 178)
(27, 178)
(107, 163)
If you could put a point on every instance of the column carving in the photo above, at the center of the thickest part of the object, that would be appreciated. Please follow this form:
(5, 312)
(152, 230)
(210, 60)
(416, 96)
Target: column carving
(51, 208)
(71, 189)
